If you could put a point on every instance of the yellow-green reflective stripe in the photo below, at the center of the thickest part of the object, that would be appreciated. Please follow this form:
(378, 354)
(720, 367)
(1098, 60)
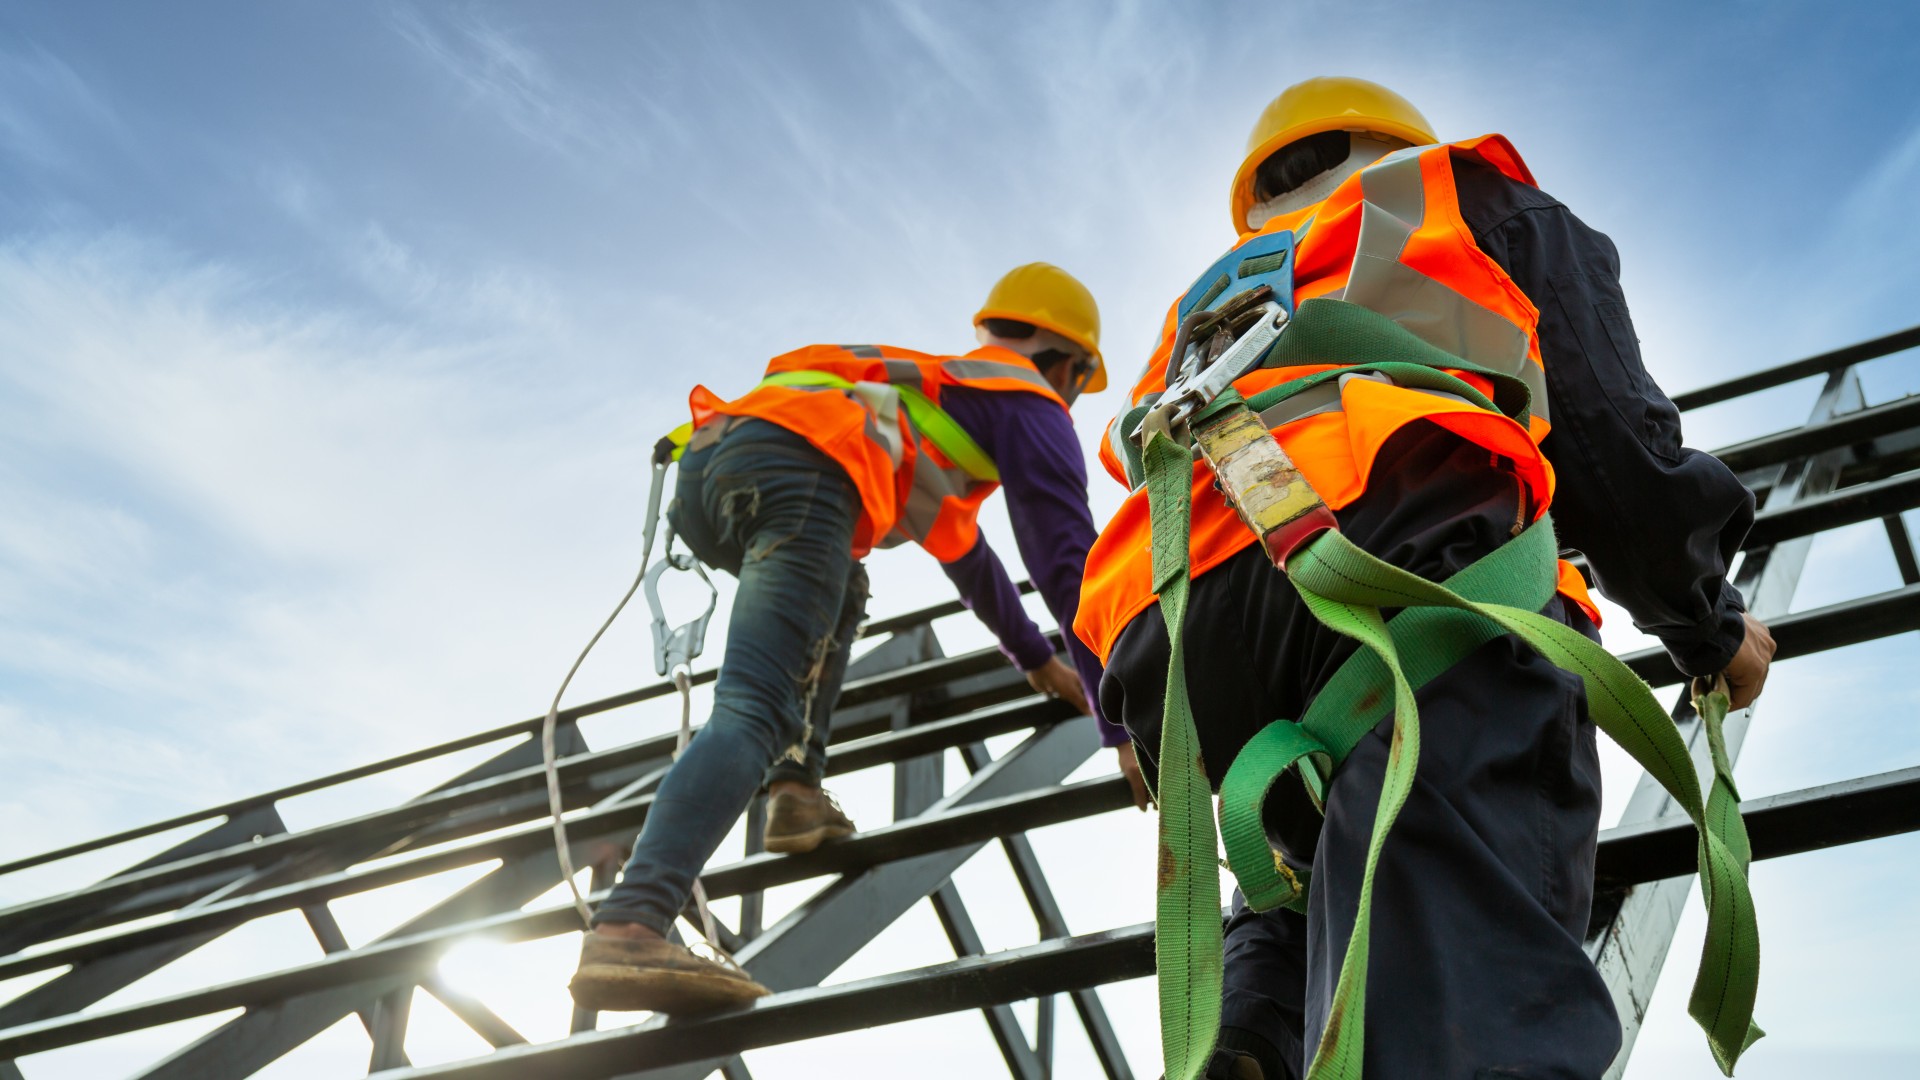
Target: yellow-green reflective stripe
(679, 437)
(930, 420)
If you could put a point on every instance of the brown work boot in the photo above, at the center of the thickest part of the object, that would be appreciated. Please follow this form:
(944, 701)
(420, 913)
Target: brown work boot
(634, 974)
(799, 822)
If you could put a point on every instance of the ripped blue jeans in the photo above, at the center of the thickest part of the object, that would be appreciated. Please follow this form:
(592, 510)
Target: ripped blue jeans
(765, 506)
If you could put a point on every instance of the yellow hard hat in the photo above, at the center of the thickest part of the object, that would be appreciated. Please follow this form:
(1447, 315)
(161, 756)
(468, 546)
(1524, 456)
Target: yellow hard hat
(1052, 299)
(1326, 104)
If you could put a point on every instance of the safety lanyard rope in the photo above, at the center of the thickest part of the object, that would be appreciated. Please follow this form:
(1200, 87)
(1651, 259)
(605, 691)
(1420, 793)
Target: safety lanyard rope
(1346, 588)
(674, 651)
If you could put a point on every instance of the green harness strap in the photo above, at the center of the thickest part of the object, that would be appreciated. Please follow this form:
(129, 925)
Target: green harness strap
(1429, 641)
(1187, 947)
(1346, 588)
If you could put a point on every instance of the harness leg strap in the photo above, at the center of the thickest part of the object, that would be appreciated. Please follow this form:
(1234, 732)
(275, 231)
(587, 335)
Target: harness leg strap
(1345, 588)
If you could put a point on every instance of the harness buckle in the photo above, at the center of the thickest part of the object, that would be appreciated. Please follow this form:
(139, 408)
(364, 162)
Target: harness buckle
(677, 646)
(1210, 351)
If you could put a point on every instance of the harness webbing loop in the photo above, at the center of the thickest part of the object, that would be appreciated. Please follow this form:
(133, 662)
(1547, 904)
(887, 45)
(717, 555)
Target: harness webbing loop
(1187, 932)
(1346, 588)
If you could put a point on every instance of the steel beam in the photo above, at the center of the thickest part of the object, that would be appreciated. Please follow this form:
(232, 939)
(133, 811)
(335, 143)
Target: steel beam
(1052, 923)
(390, 1030)
(1631, 948)
(917, 784)
(1803, 633)
(521, 728)
(89, 909)
(1845, 506)
(1903, 554)
(379, 829)
(1780, 825)
(279, 1020)
(1022, 1062)
(1818, 437)
(687, 1048)
(472, 1012)
(613, 821)
(1847, 812)
(809, 944)
(104, 974)
(1799, 369)
(895, 623)
(1001, 683)
(968, 818)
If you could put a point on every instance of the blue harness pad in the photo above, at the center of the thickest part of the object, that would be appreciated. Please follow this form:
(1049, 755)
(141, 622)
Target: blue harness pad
(1266, 259)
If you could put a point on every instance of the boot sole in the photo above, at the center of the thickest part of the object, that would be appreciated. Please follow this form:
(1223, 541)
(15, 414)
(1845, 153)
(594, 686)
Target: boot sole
(802, 842)
(617, 988)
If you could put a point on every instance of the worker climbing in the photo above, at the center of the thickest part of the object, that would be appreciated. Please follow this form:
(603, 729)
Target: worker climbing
(841, 449)
(1369, 405)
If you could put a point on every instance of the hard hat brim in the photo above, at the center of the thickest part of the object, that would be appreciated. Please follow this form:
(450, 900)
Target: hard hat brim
(1242, 196)
(1096, 383)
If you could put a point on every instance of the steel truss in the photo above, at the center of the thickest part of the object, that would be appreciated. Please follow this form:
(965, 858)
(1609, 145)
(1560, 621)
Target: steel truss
(905, 705)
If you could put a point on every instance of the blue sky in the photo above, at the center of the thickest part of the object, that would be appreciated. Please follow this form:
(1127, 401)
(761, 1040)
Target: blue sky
(332, 336)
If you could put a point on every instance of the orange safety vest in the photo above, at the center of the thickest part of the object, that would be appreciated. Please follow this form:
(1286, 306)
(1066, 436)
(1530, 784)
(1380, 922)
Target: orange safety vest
(1389, 238)
(909, 489)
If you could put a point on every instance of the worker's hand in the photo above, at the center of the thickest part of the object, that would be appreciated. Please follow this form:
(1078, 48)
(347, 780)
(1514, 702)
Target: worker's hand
(1747, 672)
(1130, 768)
(1056, 680)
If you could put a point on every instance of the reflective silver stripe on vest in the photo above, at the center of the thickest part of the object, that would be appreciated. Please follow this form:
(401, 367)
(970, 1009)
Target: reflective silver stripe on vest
(1394, 206)
(1325, 398)
(1312, 401)
(905, 373)
(994, 369)
(880, 403)
(933, 484)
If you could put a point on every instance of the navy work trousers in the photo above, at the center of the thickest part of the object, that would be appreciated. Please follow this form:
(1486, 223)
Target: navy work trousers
(765, 506)
(1483, 890)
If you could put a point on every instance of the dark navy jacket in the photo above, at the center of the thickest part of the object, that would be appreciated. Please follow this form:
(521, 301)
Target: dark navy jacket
(1659, 523)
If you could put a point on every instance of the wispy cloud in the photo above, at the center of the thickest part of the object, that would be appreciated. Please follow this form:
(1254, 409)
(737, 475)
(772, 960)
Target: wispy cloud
(43, 100)
(501, 73)
(237, 524)
(322, 424)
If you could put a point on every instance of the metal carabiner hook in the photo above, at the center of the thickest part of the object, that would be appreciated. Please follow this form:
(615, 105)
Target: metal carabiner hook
(1243, 330)
(677, 646)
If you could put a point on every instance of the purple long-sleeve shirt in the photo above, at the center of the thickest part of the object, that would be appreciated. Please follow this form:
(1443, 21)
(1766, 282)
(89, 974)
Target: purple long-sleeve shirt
(1044, 474)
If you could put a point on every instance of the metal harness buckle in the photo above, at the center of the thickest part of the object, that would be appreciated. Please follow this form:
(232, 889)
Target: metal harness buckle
(676, 647)
(1250, 467)
(1211, 350)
